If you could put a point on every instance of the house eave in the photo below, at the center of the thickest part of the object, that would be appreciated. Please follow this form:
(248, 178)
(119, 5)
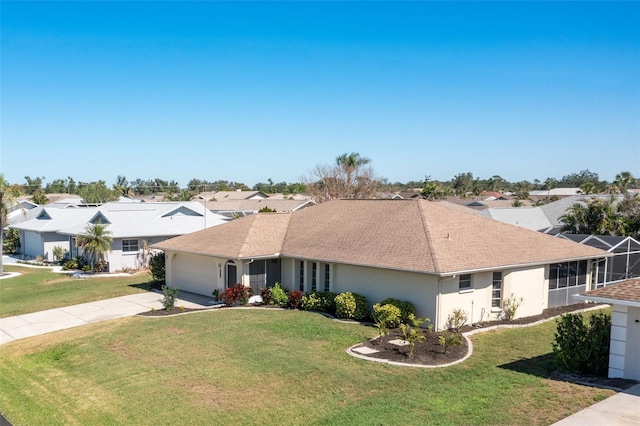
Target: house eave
(607, 300)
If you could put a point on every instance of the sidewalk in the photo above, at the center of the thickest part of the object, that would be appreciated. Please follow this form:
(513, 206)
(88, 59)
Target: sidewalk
(621, 409)
(36, 323)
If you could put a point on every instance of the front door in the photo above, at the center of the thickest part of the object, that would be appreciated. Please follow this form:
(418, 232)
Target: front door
(232, 274)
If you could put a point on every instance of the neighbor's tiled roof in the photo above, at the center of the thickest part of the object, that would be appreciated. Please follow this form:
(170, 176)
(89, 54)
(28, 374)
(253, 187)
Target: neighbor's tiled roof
(414, 235)
(624, 291)
(279, 205)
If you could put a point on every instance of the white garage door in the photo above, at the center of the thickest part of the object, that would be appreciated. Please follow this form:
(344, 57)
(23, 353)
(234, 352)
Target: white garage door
(32, 244)
(196, 274)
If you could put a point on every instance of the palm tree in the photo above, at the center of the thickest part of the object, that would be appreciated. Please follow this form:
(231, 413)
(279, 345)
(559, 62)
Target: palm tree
(95, 242)
(622, 182)
(8, 196)
(351, 162)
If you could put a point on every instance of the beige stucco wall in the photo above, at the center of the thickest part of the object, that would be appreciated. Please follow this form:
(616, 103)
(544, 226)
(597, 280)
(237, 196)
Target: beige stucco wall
(375, 284)
(528, 283)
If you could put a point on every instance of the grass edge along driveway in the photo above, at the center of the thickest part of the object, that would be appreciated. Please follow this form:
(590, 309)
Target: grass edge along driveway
(272, 367)
(38, 289)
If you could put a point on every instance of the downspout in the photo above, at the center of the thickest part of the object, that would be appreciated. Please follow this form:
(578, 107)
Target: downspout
(438, 298)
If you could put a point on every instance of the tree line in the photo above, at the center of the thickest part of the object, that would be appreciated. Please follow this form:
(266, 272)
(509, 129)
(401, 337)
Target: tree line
(350, 176)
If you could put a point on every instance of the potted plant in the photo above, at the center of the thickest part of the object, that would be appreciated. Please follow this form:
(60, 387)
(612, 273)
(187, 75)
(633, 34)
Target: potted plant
(216, 294)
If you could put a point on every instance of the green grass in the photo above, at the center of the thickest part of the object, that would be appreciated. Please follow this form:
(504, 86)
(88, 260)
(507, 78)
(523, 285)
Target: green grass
(272, 367)
(38, 289)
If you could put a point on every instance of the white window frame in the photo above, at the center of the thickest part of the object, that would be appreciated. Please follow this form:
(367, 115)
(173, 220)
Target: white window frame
(463, 278)
(129, 250)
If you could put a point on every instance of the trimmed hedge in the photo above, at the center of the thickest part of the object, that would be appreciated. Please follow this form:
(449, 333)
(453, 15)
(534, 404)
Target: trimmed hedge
(406, 308)
(323, 301)
(352, 306)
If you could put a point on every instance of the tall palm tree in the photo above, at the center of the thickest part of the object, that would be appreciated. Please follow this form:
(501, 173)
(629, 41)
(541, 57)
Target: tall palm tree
(8, 197)
(95, 242)
(622, 182)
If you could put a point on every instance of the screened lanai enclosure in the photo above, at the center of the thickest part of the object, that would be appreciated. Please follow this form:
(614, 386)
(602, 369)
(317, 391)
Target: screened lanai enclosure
(569, 278)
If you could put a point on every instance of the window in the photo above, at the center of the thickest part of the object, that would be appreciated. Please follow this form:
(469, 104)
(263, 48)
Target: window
(129, 245)
(327, 277)
(301, 275)
(314, 276)
(496, 292)
(570, 274)
(465, 282)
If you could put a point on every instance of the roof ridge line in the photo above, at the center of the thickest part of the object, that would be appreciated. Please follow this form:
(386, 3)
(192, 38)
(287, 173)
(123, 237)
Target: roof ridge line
(427, 233)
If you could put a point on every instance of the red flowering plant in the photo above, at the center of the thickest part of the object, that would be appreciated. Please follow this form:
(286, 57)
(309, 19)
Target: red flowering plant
(236, 294)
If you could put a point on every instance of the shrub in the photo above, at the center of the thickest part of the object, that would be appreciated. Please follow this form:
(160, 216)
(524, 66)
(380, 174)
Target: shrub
(295, 299)
(279, 295)
(583, 347)
(265, 293)
(413, 333)
(157, 269)
(456, 320)
(324, 301)
(510, 306)
(449, 339)
(406, 308)
(58, 253)
(169, 299)
(386, 316)
(236, 294)
(100, 266)
(352, 306)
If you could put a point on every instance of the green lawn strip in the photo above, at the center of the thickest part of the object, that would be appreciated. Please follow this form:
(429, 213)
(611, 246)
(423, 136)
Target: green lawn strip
(40, 289)
(271, 366)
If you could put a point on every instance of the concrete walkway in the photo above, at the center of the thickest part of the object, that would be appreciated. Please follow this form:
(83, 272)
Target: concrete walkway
(36, 323)
(621, 409)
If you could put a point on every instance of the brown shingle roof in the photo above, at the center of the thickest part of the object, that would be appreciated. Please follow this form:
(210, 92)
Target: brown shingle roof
(624, 291)
(253, 236)
(415, 235)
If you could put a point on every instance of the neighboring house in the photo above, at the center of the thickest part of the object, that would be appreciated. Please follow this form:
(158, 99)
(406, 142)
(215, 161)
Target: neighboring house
(240, 208)
(129, 223)
(437, 257)
(22, 211)
(624, 351)
(230, 195)
(555, 192)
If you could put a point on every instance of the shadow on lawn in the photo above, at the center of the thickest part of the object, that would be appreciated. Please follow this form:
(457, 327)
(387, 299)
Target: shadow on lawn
(541, 366)
(544, 366)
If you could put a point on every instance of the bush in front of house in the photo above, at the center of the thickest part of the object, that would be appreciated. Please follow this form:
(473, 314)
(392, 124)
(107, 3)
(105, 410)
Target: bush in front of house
(157, 269)
(386, 317)
(278, 295)
(236, 294)
(581, 346)
(169, 299)
(406, 308)
(323, 301)
(352, 306)
(295, 299)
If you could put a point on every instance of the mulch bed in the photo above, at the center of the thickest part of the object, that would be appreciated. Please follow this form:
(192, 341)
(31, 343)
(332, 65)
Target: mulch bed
(546, 314)
(428, 352)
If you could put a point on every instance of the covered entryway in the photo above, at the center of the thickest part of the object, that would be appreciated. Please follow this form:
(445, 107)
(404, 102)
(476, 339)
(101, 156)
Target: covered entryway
(231, 275)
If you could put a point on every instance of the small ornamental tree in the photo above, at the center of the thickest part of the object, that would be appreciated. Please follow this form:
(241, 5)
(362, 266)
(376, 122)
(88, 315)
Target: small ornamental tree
(157, 269)
(413, 333)
(385, 317)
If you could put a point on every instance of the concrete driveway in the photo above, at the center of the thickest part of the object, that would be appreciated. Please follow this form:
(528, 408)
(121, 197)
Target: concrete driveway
(36, 323)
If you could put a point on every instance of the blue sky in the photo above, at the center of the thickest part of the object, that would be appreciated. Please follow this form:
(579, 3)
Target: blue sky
(247, 91)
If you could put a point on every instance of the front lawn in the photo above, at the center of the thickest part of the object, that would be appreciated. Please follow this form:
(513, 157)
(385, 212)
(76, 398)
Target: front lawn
(38, 289)
(249, 366)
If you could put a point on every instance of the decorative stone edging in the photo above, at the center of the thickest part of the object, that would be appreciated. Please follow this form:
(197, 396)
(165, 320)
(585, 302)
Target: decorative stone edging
(405, 364)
